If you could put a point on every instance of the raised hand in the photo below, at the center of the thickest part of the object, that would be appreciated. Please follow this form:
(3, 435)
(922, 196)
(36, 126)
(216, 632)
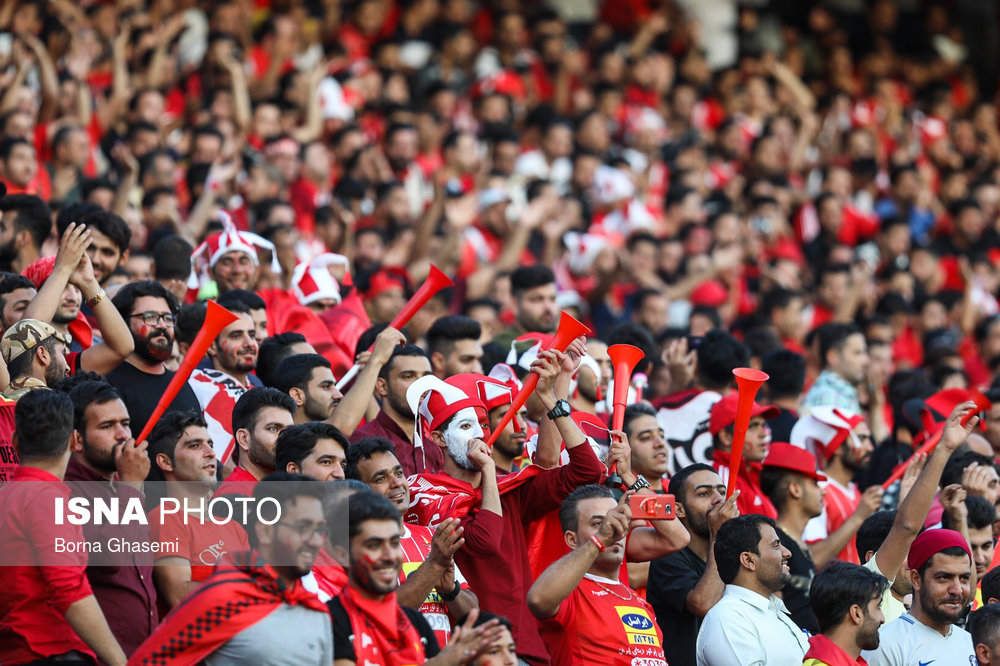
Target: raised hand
(620, 453)
(955, 433)
(720, 513)
(614, 527)
(871, 500)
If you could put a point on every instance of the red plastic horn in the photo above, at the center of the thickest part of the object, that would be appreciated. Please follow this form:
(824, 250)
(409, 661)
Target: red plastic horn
(569, 330)
(982, 404)
(624, 358)
(435, 282)
(216, 319)
(748, 382)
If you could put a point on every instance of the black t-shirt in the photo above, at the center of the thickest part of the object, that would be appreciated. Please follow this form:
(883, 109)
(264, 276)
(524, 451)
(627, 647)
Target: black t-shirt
(671, 578)
(343, 634)
(782, 424)
(141, 391)
(796, 593)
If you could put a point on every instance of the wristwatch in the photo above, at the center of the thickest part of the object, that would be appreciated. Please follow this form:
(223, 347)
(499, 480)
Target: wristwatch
(640, 483)
(561, 409)
(451, 596)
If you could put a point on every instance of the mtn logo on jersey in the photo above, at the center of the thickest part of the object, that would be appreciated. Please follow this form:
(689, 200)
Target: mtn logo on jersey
(638, 625)
(408, 568)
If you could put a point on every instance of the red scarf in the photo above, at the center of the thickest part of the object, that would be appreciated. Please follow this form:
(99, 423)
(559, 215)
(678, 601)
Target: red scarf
(330, 574)
(436, 497)
(241, 593)
(382, 632)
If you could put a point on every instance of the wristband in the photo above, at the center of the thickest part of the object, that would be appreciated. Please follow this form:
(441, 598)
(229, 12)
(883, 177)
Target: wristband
(96, 298)
(597, 542)
(451, 596)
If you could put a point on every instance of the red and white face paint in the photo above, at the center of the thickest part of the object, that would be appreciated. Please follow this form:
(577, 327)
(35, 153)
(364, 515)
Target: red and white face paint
(463, 428)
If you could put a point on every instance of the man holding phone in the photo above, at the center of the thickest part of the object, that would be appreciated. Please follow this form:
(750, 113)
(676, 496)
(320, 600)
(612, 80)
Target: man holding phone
(582, 589)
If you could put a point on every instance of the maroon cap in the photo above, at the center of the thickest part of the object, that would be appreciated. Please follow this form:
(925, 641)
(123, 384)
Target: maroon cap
(932, 542)
(794, 458)
(724, 412)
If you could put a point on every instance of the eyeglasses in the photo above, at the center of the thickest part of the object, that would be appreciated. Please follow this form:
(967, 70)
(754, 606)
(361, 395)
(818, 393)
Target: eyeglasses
(151, 318)
(306, 530)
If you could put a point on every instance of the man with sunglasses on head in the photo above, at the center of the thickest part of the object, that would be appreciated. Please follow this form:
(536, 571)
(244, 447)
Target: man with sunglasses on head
(151, 314)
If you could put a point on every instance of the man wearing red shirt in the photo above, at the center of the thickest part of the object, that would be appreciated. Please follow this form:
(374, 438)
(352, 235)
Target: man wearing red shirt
(847, 601)
(258, 418)
(581, 592)
(47, 610)
(758, 440)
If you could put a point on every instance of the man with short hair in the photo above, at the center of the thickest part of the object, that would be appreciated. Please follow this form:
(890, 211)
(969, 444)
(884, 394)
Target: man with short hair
(984, 627)
(650, 453)
(846, 600)
(16, 293)
(844, 354)
(275, 349)
(258, 418)
(316, 449)
(395, 420)
(308, 380)
(453, 346)
(182, 456)
(254, 303)
(978, 521)
(110, 237)
(535, 311)
(683, 586)
(234, 355)
(750, 624)
(48, 611)
(940, 570)
(25, 224)
(786, 372)
(172, 264)
(722, 424)
(112, 466)
(429, 581)
(35, 355)
(151, 313)
(582, 591)
(255, 609)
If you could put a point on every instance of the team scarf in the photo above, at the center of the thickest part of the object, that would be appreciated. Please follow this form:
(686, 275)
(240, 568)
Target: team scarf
(330, 574)
(436, 497)
(241, 593)
(382, 632)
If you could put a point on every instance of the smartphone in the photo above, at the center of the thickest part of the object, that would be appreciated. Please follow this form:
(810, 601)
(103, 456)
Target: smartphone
(694, 341)
(652, 507)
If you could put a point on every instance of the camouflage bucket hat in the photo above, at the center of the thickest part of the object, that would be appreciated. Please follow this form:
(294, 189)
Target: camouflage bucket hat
(27, 334)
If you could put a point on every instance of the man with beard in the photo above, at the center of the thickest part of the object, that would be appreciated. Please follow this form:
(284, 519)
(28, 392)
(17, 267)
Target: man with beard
(395, 419)
(369, 624)
(258, 418)
(234, 355)
(151, 313)
(109, 234)
(535, 311)
(35, 354)
(846, 599)
(844, 441)
(940, 571)
(308, 380)
(429, 581)
(25, 224)
(107, 465)
(582, 589)
(683, 586)
(844, 354)
(255, 608)
(496, 512)
(721, 423)
(750, 624)
(181, 453)
(453, 346)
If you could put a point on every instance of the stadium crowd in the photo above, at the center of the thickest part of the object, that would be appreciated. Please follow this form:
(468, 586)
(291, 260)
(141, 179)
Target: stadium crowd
(810, 189)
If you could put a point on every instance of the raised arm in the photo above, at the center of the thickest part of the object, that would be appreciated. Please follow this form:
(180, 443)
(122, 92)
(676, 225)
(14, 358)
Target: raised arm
(710, 587)
(351, 409)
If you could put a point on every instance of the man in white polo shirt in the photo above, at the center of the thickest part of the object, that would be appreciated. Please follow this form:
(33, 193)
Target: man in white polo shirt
(940, 569)
(750, 626)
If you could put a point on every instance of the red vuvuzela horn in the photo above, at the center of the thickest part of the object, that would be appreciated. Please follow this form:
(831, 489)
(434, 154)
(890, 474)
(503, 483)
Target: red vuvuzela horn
(748, 382)
(216, 319)
(435, 282)
(569, 330)
(624, 358)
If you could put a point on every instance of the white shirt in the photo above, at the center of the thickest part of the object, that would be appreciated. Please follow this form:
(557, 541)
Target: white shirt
(907, 642)
(748, 629)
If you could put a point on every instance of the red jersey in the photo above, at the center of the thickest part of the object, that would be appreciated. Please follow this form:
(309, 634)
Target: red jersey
(239, 482)
(201, 541)
(416, 545)
(752, 499)
(838, 505)
(603, 623)
(8, 454)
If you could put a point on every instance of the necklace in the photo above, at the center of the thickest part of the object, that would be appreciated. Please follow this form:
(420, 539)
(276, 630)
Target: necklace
(613, 593)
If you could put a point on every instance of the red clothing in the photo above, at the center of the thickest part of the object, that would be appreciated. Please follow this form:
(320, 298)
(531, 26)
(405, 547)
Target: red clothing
(239, 482)
(494, 558)
(330, 574)
(122, 583)
(202, 541)
(827, 653)
(8, 454)
(838, 505)
(752, 499)
(285, 313)
(416, 546)
(345, 325)
(628, 628)
(34, 599)
(427, 459)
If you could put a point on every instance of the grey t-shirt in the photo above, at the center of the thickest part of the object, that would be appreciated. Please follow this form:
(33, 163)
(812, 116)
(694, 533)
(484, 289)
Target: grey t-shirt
(288, 636)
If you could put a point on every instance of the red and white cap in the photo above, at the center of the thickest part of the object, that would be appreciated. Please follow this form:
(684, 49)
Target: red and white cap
(527, 357)
(443, 400)
(230, 239)
(582, 250)
(612, 185)
(312, 280)
(824, 430)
